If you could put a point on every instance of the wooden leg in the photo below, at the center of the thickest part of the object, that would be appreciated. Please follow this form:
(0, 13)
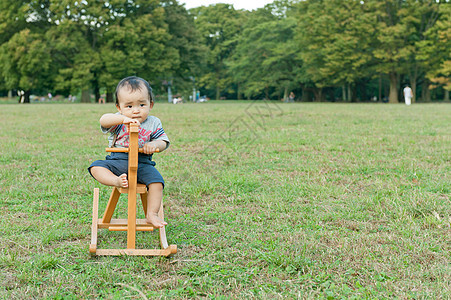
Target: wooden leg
(144, 202)
(162, 230)
(131, 224)
(114, 197)
(95, 216)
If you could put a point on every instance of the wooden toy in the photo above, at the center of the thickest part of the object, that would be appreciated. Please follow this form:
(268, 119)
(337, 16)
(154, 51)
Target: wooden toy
(131, 224)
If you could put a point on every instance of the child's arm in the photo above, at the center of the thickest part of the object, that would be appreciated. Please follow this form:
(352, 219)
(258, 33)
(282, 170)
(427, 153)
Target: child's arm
(110, 120)
(151, 147)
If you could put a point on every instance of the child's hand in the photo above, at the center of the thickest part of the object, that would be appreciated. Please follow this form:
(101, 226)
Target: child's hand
(130, 120)
(150, 148)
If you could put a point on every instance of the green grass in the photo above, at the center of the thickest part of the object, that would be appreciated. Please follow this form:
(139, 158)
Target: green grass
(264, 200)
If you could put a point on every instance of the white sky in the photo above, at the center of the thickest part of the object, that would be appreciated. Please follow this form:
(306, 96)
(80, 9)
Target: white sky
(237, 4)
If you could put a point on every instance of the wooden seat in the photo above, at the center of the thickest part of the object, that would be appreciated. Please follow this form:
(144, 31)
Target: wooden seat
(140, 189)
(131, 224)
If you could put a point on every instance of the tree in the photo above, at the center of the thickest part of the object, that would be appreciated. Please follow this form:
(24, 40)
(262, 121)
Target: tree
(25, 58)
(394, 23)
(418, 16)
(12, 18)
(334, 50)
(74, 44)
(75, 58)
(265, 56)
(112, 40)
(435, 50)
(218, 26)
(136, 45)
(186, 41)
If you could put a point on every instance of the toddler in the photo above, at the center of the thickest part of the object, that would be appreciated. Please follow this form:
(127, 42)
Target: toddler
(134, 100)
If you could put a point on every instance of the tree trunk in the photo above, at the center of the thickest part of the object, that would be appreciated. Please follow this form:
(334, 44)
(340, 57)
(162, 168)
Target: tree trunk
(364, 94)
(380, 88)
(332, 94)
(318, 92)
(349, 93)
(304, 95)
(413, 83)
(85, 96)
(97, 93)
(426, 94)
(10, 94)
(343, 93)
(393, 96)
(355, 97)
(285, 94)
(446, 95)
(238, 92)
(26, 97)
(109, 97)
(169, 94)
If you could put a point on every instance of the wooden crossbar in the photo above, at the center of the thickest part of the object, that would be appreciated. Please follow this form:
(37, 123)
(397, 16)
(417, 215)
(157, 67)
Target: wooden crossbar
(140, 189)
(121, 225)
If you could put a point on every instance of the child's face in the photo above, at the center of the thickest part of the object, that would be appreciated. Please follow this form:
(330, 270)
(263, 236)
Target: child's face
(135, 105)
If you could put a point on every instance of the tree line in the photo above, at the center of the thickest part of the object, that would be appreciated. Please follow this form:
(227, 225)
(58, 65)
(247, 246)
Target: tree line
(323, 50)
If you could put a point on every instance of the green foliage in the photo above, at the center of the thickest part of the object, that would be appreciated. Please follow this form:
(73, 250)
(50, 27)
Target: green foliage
(25, 58)
(12, 18)
(218, 26)
(307, 46)
(265, 56)
(400, 25)
(334, 49)
(435, 50)
(185, 39)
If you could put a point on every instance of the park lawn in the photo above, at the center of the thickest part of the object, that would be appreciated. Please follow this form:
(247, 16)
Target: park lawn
(263, 199)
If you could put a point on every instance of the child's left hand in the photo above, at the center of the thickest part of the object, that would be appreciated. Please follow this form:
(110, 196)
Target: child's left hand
(150, 148)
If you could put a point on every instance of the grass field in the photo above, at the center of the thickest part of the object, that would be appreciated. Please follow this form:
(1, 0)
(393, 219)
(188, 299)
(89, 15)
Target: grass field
(263, 199)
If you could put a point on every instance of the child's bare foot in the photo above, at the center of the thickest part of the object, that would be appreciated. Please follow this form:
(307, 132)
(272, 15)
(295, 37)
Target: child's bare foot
(122, 181)
(155, 220)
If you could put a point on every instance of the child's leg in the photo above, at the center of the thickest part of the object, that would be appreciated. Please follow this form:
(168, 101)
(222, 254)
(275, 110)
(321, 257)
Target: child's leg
(106, 177)
(154, 198)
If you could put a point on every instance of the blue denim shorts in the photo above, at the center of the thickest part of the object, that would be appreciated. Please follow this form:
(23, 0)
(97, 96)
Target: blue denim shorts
(117, 163)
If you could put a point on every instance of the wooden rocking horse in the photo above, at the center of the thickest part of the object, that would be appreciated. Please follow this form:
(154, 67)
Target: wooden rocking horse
(131, 224)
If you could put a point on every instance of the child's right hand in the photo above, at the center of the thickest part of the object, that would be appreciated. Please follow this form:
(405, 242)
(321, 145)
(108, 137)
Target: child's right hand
(130, 120)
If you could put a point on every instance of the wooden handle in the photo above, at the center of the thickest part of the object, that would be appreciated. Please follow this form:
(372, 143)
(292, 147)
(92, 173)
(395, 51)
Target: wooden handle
(125, 150)
(116, 150)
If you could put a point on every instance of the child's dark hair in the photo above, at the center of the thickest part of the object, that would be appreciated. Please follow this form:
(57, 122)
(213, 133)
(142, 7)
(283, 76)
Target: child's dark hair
(134, 83)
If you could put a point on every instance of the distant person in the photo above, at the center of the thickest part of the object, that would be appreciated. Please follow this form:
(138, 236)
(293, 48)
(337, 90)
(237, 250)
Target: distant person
(102, 99)
(21, 95)
(291, 97)
(408, 95)
(134, 100)
(177, 100)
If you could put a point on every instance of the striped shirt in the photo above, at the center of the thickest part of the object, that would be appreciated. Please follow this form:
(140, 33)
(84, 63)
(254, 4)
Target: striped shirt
(149, 130)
